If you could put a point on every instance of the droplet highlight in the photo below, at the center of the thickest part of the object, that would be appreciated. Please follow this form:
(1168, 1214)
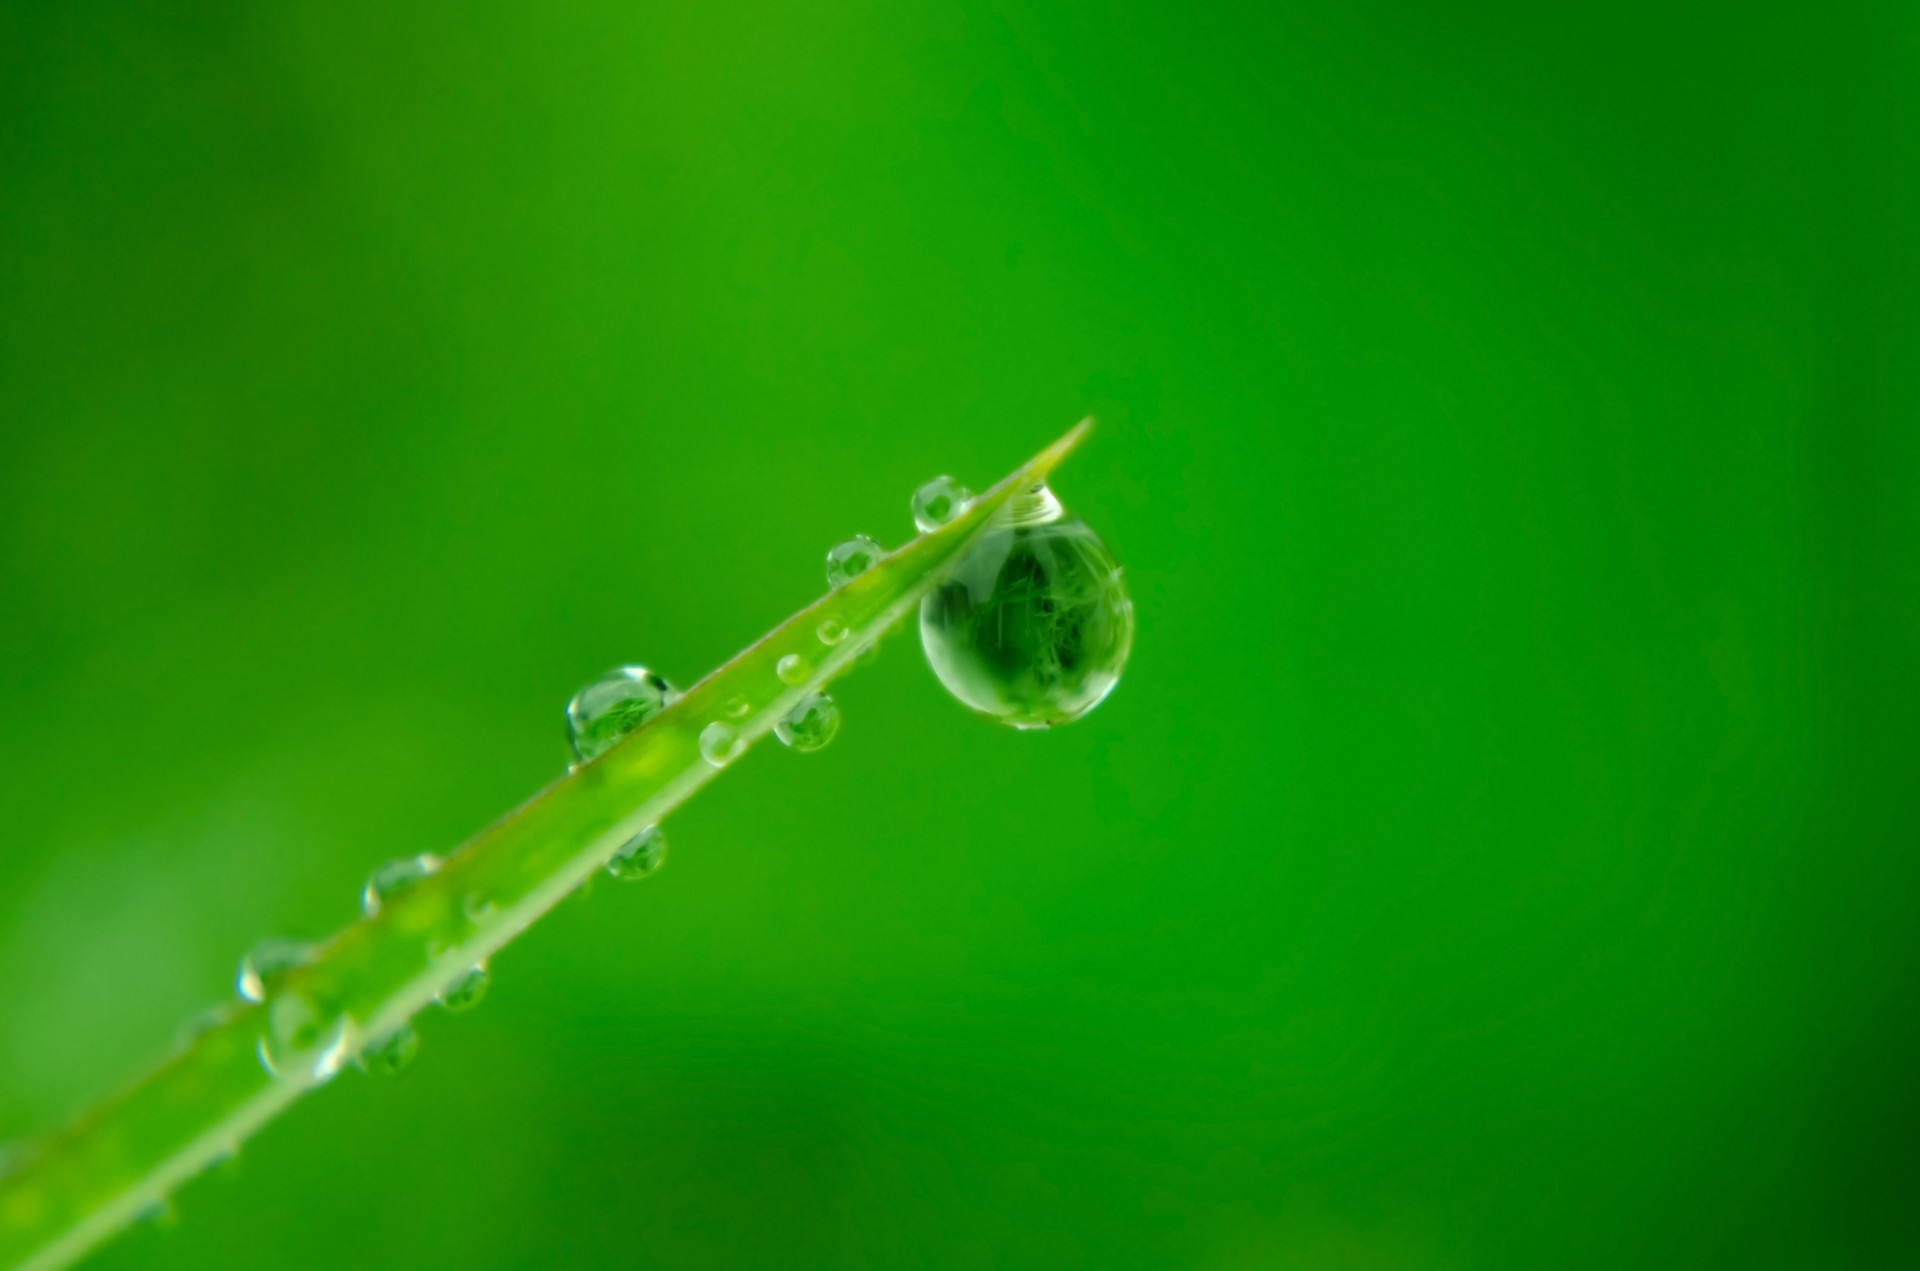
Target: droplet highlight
(268, 964)
(1032, 626)
(720, 745)
(393, 879)
(614, 705)
(938, 502)
(465, 993)
(389, 1054)
(849, 560)
(811, 724)
(639, 856)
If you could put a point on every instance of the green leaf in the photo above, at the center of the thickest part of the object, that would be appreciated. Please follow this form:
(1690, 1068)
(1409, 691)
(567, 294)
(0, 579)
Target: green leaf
(127, 1156)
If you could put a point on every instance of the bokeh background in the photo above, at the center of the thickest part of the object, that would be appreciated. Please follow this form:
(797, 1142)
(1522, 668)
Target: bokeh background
(1501, 852)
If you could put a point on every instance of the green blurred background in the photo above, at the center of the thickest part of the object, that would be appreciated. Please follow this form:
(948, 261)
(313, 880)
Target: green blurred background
(1500, 854)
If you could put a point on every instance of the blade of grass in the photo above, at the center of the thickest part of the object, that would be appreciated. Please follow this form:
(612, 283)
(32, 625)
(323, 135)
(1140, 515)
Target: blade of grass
(128, 1155)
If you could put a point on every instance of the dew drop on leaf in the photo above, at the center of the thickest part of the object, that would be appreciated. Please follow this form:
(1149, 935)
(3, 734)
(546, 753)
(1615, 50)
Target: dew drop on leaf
(394, 878)
(809, 725)
(639, 856)
(465, 993)
(1032, 626)
(614, 705)
(938, 502)
(720, 745)
(848, 560)
(268, 963)
(388, 1054)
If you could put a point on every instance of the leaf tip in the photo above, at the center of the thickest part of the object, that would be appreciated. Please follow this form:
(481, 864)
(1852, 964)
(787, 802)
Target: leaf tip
(1050, 458)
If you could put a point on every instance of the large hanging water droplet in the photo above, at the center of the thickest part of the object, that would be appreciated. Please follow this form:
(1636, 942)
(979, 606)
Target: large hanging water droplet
(720, 745)
(939, 501)
(267, 964)
(465, 993)
(303, 1041)
(387, 1055)
(639, 856)
(614, 705)
(393, 878)
(852, 558)
(811, 724)
(1032, 626)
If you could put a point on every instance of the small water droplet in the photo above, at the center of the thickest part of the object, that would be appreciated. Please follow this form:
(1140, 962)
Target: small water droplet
(393, 878)
(719, 744)
(614, 705)
(831, 631)
(640, 855)
(387, 1055)
(303, 1041)
(1032, 627)
(268, 963)
(737, 708)
(793, 669)
(465, 993)
(160, 1213)
(811, 724)
(938, 502)
(852, 558)
(477, 906)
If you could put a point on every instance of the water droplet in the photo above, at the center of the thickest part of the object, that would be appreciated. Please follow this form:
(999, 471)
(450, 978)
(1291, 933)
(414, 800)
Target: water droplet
(737, 708)
(393, 878)
(719, 744)
(465, 993)
(793, 669)
(852, 558)
(1032, 626)
(303, 1041)
(268, 963)
(159, 1213)
(939, 501)
(387, 1055)
(831, 631)
(811, 724)
(478, 907)
(614, 705)
(640, 855)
